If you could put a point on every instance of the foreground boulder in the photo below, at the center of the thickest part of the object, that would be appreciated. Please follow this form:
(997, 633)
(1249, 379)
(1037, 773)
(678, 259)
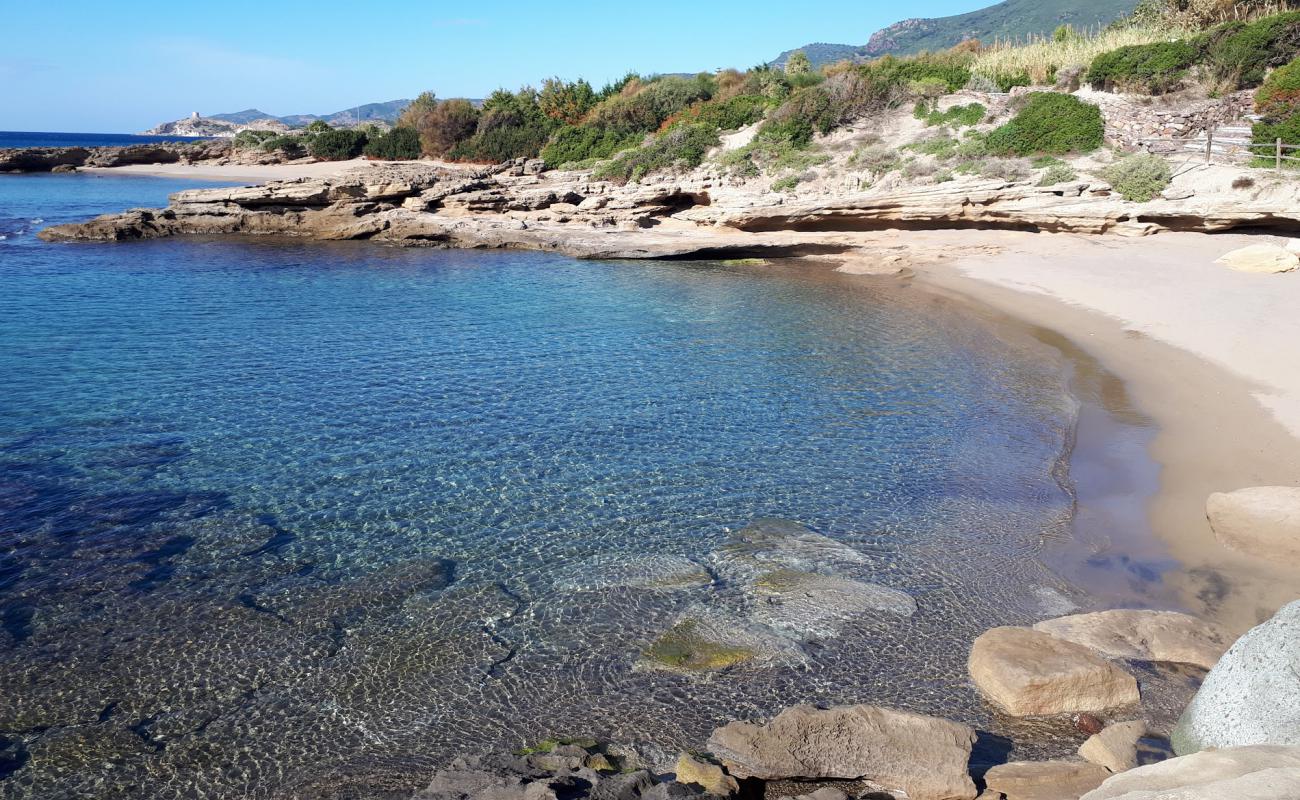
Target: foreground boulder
(712, 778)
(923, 756)
(1263, 521)
(1116, 747)
(1253, 695)
(1144, 635)
(1241, 773)
(1265, 258)
(1030, 673)
(1042, 780)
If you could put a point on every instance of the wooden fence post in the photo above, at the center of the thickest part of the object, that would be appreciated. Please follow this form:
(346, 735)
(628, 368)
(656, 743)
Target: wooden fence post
(1209, 144)
(1279, 154)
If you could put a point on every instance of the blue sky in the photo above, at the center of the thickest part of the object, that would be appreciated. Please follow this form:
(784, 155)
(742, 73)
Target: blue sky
(77, 65)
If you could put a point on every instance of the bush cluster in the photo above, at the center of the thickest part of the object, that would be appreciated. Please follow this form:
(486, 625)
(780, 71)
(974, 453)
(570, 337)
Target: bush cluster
(1278, 102)
(682, 147)
(955, 117)
(338, 144)
(1139, 177)
(399, 144)
(1050, 123)
(1232, 55)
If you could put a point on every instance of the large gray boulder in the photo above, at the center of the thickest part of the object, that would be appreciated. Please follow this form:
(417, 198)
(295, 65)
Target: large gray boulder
(1253, 695)
(1243, 773)
(923, 756)
(1263, 521)
(1144, 635)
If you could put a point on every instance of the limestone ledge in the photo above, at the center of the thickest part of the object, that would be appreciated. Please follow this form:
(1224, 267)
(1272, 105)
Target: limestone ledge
(701, 214)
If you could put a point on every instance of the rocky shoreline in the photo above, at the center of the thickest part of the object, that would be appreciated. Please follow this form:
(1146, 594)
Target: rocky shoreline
(70, 159)
(1238, 738)
(701, 214)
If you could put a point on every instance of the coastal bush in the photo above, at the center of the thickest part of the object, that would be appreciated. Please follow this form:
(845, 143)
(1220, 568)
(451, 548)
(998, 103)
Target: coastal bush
(1238, 54)
(1267, 133)
(1058, 173)
(957, 116)
(727, 115)
(337, 144)
(248, 139)
(290, 146)
(399, 144)
(1138, 177)
(578, 143)
(566, 102)
(440, 125)
(682, 147)
(1050, 123)
(941, 146)
(1153, 68)
(510, 125)
(1041, 60)
(874, 158)
(1279, 97)
(786, 184)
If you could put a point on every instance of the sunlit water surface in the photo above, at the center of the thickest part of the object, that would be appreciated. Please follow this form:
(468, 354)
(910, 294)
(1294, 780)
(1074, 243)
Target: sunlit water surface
(289, 518)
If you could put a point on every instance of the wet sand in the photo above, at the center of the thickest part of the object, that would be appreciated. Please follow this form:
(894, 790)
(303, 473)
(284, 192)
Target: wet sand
(1210, 355)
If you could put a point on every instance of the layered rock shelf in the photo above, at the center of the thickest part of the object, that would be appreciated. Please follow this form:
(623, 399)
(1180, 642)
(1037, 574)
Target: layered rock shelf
(700, 214)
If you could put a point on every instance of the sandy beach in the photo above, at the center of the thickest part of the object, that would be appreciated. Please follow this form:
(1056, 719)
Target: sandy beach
(1208, 354)
(251, 173)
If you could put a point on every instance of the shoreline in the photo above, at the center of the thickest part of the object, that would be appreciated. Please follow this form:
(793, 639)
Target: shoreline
(1215, 427)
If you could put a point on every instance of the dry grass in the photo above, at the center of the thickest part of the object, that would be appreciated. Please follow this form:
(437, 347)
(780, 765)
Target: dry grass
(1199, 14)
(1040, 58)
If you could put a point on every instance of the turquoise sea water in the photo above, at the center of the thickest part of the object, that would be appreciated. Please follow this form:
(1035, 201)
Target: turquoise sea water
(56, 139)
(287, 518)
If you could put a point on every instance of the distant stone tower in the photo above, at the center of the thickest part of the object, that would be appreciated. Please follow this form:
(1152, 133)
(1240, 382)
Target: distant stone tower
(194, 115)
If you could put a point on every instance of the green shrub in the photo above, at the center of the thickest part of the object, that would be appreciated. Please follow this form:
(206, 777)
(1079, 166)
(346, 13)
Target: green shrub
(682, 147)
(399, 144)
(1279, 97)
(291, 146)
(1267, 133)
(875, 158)
(1140, 177)
(440, 125)
(1152, 68)
(566, 102)
(941, 147)
(578, 143)
(248, 139)
(1239, 53)
(1058, 173)
(1050, 123)
(727, 115)
(337, 145)
(1006, 83)
(955, 117)
(785, 184)
(318, 126)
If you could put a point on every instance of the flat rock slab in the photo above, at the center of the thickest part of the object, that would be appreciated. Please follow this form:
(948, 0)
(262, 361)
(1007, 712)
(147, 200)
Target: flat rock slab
(1263, 521)
(1144, 635)
(1242, 773)
(808, 602)
(1044, 780)
(1262, 258)
(1030, 673)
(1116, 747)
(1253, 695)
(923, 756)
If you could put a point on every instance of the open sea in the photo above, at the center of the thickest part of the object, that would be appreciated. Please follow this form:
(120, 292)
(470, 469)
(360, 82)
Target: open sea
(55, 139)
(294, 519)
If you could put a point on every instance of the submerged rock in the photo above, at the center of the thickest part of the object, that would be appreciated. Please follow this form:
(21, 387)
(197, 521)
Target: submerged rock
(705, 640)
(1029, 673)
(1144, 635)
(812, 603)
(1042, 780)
(1263, 521)
(1253, 695)
(1241, 773)
(635, 571)
(924, 756)
(781, 543)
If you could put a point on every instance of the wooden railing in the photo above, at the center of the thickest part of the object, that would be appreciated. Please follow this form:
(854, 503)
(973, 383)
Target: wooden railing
(1228, 148)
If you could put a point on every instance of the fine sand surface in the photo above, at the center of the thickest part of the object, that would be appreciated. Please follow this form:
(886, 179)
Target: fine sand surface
(252, 173)
(1211, 356)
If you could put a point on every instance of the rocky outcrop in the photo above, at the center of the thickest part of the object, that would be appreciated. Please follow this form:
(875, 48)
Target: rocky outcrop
(1029, 673)
(205, 126)
(712, 778)
(1144, 635)
(1116, 747)
(1253, 695)
(47, 159)
(923, 756)
(1242, 773)
(1042, 780)
(1263, 521)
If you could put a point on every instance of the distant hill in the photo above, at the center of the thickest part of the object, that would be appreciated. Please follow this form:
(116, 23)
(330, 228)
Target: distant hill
(1012, 19)
(383, 112)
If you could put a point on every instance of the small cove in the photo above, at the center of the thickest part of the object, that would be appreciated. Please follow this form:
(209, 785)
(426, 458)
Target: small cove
(288, 514)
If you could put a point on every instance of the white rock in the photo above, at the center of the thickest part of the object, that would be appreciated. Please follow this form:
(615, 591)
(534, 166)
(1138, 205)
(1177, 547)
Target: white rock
(1144, 635)
(1261, 258)
(1242, 773)
(1263, 521)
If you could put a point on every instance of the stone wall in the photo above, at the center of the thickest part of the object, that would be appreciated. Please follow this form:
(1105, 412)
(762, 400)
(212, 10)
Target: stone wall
(1133, 118)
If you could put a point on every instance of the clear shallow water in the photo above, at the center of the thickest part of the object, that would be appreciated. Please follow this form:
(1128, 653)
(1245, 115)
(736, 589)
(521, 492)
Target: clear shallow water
(56, 139)
(286, 518)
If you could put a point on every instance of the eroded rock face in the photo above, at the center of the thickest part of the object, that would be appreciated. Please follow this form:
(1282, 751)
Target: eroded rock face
(1241, 773)
(48, 159)
(1043, 780)
(1030, 673)
(1144, 635)
(1263, 521)
(1253, 695)
(923, 756)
